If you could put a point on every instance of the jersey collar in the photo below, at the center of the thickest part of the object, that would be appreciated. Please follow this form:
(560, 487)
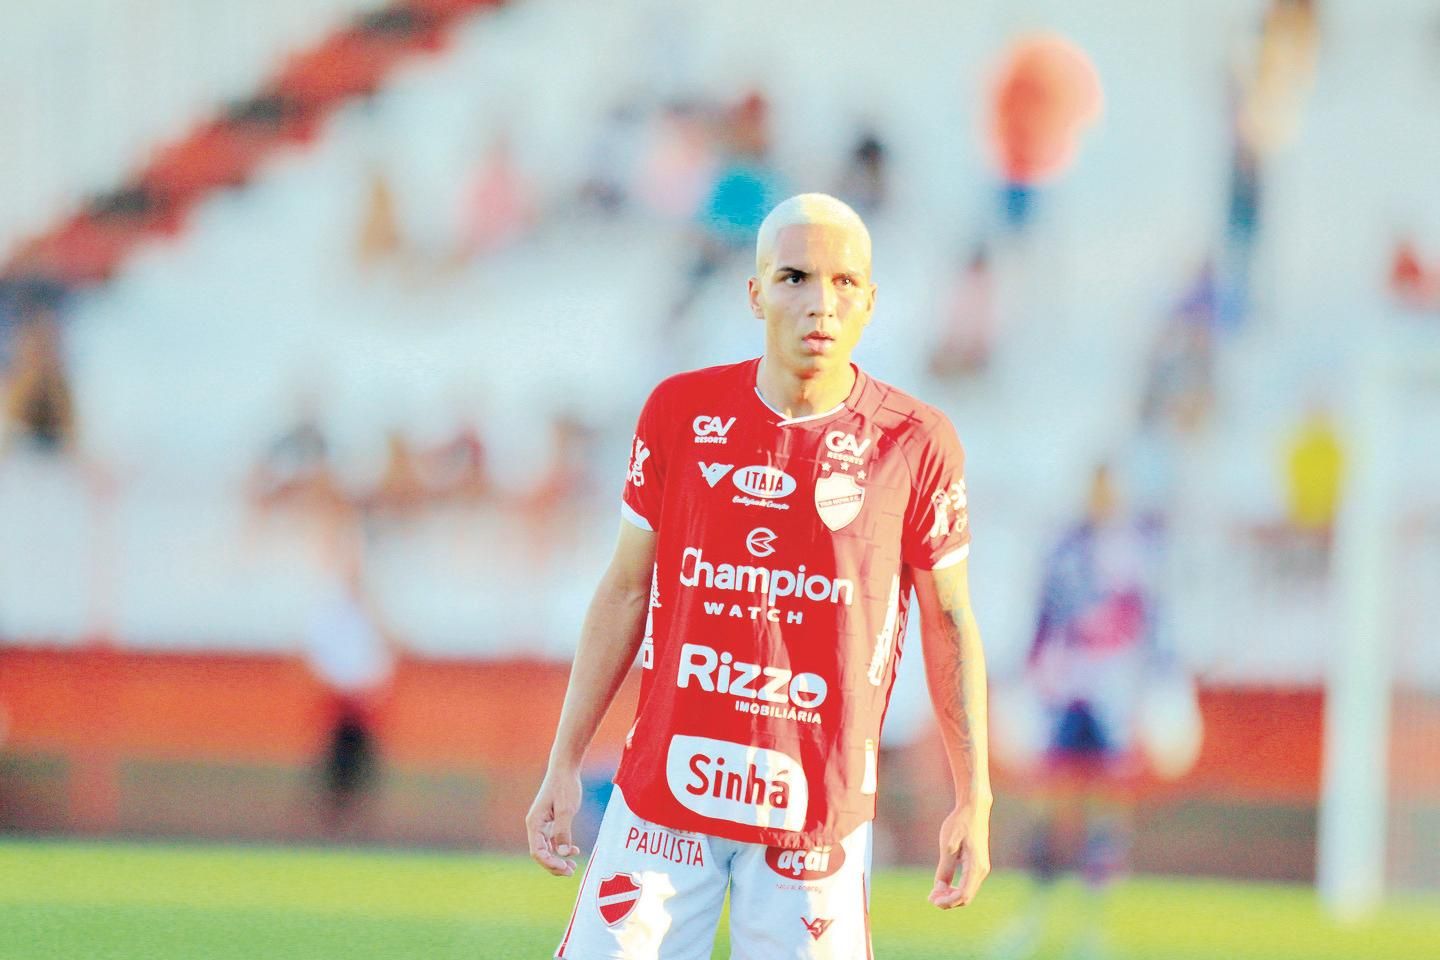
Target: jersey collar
(860, 398)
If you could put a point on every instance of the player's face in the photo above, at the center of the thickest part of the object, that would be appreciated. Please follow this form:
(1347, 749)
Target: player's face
(815, 297)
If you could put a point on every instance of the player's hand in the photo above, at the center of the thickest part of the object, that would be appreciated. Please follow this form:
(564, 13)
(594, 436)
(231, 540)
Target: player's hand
(547, 825)
(964, 847)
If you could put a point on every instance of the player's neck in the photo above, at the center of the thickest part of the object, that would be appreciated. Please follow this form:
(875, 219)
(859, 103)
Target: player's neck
(795, 396)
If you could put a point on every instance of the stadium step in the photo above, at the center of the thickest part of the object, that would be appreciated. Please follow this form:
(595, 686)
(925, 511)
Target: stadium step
(229, 148)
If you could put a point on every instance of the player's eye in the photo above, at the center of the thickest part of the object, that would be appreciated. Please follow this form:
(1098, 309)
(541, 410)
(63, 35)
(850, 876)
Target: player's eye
(845, 281)
(791, 278)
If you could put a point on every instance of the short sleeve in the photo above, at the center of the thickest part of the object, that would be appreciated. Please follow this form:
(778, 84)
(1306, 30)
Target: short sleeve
(645, 480)
(937, 523)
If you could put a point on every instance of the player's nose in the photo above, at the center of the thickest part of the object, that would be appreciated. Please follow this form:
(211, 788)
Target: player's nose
(822, 301)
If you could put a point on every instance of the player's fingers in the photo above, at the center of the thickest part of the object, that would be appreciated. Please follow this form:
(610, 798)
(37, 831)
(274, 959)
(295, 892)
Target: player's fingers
(560, 838)
(944, 876)
(947, 898)
(543, 852)
(538, 828)
(945, 870)
(557, 835)
(974, 869)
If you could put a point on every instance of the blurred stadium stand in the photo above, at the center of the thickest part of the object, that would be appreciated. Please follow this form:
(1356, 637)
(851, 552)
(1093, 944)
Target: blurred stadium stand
(153, 594)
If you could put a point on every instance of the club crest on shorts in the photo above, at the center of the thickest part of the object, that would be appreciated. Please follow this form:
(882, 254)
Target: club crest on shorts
(838, 499)
(617, 896)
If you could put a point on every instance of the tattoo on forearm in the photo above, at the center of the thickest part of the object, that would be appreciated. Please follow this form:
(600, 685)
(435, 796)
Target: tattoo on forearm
(960, 691)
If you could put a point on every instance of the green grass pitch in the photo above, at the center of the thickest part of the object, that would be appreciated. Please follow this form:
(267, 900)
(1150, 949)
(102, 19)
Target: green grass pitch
(126, 901)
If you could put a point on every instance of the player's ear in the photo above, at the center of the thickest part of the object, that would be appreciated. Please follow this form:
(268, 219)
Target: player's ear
(753, 286)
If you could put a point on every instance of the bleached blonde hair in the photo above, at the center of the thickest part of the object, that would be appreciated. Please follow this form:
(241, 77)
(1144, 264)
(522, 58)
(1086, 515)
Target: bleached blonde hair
(806, 209)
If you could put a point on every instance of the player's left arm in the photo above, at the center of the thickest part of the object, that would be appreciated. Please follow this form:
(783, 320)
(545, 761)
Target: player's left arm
(955, 669)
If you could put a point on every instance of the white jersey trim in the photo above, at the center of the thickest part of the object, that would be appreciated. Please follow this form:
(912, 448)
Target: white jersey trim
(628, 512)
(953, 557)
(786, 421)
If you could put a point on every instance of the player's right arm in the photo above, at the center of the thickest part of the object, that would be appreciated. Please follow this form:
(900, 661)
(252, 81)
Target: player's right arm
(614, 627)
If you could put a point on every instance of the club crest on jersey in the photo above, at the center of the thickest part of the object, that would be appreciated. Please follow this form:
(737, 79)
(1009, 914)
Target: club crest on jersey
(617, 896)
(838, 499)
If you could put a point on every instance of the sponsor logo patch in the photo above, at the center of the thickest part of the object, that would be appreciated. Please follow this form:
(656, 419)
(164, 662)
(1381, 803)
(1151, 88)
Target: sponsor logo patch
(665, 845)
(711, 429)
(639, 453)
(885, 639)
(757, 581)
(838, 499)
(816, 864)
(617, 896)
(950, 513)
(767, 483)
(760, 542)
(817, 927)
(716, 672)
(755, 502)
(647, 645)
(737, 782)
(845, 448)
(715, 472)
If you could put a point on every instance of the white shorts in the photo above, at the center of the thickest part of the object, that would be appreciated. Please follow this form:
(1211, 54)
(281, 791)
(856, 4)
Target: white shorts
(652, 893)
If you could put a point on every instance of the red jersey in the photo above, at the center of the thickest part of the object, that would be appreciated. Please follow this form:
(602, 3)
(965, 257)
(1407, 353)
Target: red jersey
(782, 581)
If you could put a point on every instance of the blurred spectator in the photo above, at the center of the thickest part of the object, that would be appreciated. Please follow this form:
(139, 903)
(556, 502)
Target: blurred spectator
(457, 469)
(967, 318)
(1096, 623)
(613, 163)
(1268, 89)
(1412, 283)
(1315, 467)
(743, 191)
(678, 165)
(865, 183)
(567, 473)
(380, 240)
(1295, 549)
(1094, 644)
(747, 126)
(1278, 79)
(497, 206)
(1180, 379)
(745, 187)
(1046, 93)
(1201, 304)
(401, 488)
(1242, 215)
(39, 411)
(349, 650)
(557, 502)
(296, 466)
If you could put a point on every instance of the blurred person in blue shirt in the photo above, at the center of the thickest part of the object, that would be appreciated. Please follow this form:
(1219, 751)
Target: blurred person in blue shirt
(744, 189)
(1090, 675)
